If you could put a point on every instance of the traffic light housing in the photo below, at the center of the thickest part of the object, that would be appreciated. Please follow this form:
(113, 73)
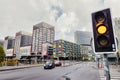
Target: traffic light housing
(103, 33)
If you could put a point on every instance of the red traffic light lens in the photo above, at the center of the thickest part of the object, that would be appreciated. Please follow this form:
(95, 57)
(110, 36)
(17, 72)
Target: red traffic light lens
(100, 17)
(103, 41)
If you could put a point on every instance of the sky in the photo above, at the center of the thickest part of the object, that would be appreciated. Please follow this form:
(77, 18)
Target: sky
(67, 16)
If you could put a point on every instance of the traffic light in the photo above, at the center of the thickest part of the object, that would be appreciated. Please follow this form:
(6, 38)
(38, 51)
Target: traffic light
(103, 33)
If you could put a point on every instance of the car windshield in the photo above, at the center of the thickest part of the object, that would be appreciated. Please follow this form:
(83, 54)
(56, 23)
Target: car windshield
(49, 62)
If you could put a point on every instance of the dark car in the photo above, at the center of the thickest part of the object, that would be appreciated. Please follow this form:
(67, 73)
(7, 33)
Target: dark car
(49, 65)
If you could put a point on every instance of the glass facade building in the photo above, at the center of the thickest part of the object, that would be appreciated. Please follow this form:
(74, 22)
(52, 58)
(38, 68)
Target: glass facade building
(10, 42)
(9, 45)
(26, 40)
(82, 37)
(23, 41)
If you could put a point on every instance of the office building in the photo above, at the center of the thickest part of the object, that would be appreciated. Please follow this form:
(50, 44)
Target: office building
(82, 37)
(8, 46)
(22, 45)
(42, 33)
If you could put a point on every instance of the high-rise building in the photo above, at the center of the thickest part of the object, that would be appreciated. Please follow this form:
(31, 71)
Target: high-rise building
(117, 30)
(85, 49)
(23, 41)
(82, 37)
(42, 33)
(8, 46)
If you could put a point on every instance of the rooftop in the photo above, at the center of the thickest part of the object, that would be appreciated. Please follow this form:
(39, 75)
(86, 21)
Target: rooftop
(42, 24)
(23, 33)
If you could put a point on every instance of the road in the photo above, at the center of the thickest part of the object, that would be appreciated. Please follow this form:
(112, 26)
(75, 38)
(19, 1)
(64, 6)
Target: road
(82, 71)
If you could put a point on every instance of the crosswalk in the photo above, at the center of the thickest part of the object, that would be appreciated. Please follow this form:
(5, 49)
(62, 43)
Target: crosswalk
(101, 72)
(114, 70)
(114, 73)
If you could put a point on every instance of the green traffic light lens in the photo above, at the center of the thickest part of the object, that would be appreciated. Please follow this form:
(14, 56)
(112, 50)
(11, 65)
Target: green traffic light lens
(100, 17)
(103, 41)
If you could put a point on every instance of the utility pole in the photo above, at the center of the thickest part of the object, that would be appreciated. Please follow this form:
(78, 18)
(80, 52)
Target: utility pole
(106, 67)
(117, 57)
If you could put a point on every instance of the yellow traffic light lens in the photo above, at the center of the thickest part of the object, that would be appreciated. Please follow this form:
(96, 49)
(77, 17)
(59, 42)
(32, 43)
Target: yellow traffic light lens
(102, 29)
(103, 41)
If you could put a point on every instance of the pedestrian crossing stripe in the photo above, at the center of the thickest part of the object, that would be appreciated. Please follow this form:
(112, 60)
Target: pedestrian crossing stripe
(115, 78)
(112, 77)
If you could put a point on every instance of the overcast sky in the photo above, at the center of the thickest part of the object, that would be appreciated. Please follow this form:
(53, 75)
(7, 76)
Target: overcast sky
(66, 15)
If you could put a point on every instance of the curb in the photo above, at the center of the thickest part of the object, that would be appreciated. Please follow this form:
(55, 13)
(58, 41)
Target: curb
(19, 68)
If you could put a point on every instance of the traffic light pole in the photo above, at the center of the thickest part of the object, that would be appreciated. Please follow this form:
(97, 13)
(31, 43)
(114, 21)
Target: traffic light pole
(106, 67)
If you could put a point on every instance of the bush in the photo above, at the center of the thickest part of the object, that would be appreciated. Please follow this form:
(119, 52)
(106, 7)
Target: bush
(2, 54)
(11, 62)
(0, 64)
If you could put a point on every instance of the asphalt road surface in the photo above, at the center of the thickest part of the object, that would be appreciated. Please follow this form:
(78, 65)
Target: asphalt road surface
(82, 71)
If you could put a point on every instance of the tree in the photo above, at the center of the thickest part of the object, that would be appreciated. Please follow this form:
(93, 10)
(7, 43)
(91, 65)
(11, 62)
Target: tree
(2, 54)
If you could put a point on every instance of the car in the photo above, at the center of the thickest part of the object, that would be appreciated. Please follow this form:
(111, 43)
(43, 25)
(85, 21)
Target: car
(49, 65)
(58, 63)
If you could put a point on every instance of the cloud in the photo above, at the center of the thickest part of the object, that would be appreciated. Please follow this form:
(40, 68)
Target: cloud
(114, 6)
(66, 15)
(58, 11)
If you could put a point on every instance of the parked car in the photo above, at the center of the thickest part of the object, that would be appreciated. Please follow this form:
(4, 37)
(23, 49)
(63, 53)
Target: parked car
(49, 65)
(58, 63)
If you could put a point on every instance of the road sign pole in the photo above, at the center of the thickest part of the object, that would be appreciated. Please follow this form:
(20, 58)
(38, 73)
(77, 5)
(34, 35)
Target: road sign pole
(106, 67)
